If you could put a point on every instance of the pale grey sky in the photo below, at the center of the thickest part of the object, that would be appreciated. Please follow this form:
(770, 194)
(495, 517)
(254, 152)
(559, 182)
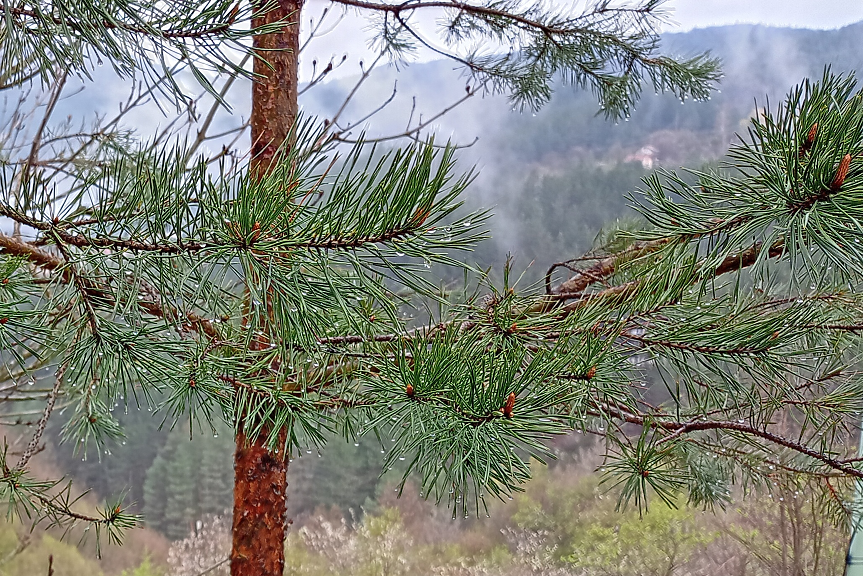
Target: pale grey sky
(796, 13)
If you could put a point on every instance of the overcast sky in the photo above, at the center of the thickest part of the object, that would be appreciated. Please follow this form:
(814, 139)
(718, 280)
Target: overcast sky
(797, 13)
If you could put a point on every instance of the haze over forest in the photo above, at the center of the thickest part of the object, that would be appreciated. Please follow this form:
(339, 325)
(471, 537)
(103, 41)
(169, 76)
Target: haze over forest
(553, 178)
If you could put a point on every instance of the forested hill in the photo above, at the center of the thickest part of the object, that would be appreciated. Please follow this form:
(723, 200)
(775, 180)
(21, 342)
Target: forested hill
(759, 63)
(553, 176)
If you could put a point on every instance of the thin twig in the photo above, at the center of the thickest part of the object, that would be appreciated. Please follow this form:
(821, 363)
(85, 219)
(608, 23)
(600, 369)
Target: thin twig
(43, 421)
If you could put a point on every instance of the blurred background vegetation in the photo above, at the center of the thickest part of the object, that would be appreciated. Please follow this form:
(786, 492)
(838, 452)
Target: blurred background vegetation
(554, 179)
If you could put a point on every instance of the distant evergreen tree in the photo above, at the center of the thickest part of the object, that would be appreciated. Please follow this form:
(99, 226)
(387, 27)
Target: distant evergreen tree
(121, 466)
(559, 213)
(215, 474)
(181, 490)
(156, 487)
(344, 476)
(187, 480)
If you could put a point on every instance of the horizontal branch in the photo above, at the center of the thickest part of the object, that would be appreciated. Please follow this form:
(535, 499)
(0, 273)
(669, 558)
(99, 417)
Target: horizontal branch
(680, 428)
(348, 243)
(601, 269)
(564, 28)
(692, 347)
(180, 247)
(731, 263)
(80, 241)
(49, 262)
(150, 30)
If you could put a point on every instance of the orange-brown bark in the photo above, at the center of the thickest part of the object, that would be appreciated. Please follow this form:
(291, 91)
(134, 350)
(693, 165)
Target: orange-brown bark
(274, 93)
(260, 484)
(260, 476)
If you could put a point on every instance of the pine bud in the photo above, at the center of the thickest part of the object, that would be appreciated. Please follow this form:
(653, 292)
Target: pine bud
(420, 216)
(256, 231)
(510, 404)
(409, 390)
(841, 172)
(591, 373)
(810, 140)
(192, 382)
(3, 320)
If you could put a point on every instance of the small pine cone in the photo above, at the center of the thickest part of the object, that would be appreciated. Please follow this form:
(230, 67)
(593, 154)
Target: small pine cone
(510, 404)
(488, 301)
(841, 172)
(256, 231)
(810, 140)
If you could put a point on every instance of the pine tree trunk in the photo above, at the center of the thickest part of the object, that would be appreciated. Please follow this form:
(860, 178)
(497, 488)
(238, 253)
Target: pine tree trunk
(260, 481)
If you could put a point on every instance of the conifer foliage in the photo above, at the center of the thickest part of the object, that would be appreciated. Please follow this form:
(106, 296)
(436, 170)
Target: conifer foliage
(137, 271)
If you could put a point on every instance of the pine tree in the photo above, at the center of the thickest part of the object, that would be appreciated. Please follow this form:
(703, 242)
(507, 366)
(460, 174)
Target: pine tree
(182, 498)
(267, 292)
(215, 474)
(188, 481)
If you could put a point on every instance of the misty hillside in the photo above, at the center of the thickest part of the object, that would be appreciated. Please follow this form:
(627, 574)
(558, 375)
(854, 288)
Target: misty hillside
(553, 175)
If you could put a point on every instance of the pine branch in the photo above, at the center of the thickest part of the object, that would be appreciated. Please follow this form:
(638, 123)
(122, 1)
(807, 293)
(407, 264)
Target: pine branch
(33, 445)
(350, 243)
(701, 425)
(601, 270)
(91, 290)
(564, 28)
(731, 263)
(149, 29)
(544, 44)
(56, 229)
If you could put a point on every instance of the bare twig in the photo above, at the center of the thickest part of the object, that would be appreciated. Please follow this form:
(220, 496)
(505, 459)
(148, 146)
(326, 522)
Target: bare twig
(43, 421)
